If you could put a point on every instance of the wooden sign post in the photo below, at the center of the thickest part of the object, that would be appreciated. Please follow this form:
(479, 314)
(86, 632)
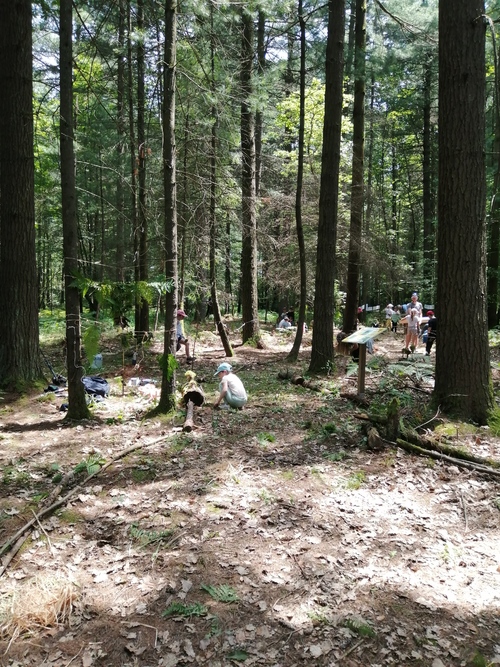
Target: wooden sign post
(361, 337)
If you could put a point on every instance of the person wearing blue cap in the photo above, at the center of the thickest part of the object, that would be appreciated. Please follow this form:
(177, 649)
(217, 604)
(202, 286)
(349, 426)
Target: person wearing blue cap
(231, 388)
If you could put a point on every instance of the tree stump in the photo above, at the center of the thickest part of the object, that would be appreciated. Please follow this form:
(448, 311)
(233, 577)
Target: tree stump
(192, 395)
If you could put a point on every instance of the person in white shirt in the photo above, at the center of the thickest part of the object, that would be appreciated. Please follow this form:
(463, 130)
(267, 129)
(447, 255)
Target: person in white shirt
(285, 323)
(181, 339)
(232, 391)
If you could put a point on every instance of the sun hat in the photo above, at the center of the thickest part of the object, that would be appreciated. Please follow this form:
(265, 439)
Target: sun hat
(181, 313)
(389, 305)
(223, 367)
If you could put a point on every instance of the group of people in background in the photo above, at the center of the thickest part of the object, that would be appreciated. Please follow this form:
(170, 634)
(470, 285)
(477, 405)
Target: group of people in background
(414, 322)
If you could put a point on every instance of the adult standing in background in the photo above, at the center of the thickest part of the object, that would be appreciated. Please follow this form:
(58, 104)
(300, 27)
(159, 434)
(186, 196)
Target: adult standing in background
(431, 331)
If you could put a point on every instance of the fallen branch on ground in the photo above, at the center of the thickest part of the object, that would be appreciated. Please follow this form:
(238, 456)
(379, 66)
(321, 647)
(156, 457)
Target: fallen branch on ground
(13, 544)
(415, 449)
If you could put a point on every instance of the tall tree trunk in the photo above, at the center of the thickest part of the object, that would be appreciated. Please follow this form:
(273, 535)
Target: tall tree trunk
(261, 63)
(294, 352)
(494, 217)
(76, 391)
(120, 147)
(357, 186)
(322, 339)
(221, 330)
(184, 208)
(132, 140)
(463, 380)
(142, 305)
(249, 299)
(167, 395)
(19, 346)
(365, 270)
(427, 193)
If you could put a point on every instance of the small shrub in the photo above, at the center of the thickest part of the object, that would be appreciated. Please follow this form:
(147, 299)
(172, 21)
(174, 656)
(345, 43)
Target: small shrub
(187, 610)
(222, 593)
(356, 480)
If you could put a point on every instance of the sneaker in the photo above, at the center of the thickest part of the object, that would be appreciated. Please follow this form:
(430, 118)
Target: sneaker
(189, 360)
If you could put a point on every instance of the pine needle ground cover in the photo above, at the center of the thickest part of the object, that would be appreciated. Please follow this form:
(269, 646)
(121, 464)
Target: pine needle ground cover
(270, 536)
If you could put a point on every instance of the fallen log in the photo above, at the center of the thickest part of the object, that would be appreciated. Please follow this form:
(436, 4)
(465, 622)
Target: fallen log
(415, 449)
(433, 444)
(192, 395)
(189, 421)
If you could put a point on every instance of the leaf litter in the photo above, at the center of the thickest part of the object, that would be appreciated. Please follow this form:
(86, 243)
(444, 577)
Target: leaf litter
(270, 536)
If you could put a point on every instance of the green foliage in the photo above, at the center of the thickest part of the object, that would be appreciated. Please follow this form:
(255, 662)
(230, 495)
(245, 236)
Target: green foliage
(360, 627)
(145, 537)
(335, 456)
(222, 593)
(15, 474)
(480, 661)
(92, 464)
(239, 655)
(265, 438)
(91, 337)
(356, 480)
(169, 364)
(494, 422)
(187, 610)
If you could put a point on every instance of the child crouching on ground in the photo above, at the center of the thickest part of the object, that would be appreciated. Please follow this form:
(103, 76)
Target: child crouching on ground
(231, 388)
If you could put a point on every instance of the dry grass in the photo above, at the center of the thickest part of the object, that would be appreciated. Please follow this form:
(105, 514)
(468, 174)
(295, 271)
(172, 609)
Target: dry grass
(38, 603)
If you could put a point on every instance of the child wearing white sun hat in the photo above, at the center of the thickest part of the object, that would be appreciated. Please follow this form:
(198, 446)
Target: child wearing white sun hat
(231, 388)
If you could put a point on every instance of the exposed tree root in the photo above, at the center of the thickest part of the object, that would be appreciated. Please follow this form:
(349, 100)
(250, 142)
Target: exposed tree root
(470, 465)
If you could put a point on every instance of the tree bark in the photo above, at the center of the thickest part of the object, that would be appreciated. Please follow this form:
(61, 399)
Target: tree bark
(357, 184)
(294, 352)
(77, 406)
(322, 339)
(120, 147)
(463, 381)
(19, 347)
(142, 305)
(249, 299)
(167, 395)
(221, 330)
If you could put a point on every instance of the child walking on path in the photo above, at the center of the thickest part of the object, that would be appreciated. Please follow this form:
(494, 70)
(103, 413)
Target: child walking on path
(412, 335)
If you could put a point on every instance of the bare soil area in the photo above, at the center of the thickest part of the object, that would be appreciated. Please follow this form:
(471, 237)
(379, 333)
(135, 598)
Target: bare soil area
(270, 536)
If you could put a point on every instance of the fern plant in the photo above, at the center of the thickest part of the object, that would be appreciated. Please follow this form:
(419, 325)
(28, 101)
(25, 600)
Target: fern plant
(222, 593)
(187, 610)
(146, 537)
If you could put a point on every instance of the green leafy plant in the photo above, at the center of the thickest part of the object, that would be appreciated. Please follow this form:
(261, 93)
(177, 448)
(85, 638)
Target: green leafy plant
(239, 655)
(318, 618)
(90, 338)
(222, 593)
(360, 627)
(480, 661)
(356, 480)
(265, 438)
(169, 364)
(266, 497)
(187, 610)
(146, 537)
(335, 456)
(92, 464)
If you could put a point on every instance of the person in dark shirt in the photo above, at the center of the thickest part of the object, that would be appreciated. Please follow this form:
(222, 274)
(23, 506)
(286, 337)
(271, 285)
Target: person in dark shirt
(431, 331)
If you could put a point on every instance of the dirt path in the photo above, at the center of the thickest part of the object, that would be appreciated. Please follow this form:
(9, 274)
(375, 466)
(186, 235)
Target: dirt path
(270, 536)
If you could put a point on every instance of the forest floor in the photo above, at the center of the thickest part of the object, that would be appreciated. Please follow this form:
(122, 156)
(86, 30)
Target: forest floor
(270, 536)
